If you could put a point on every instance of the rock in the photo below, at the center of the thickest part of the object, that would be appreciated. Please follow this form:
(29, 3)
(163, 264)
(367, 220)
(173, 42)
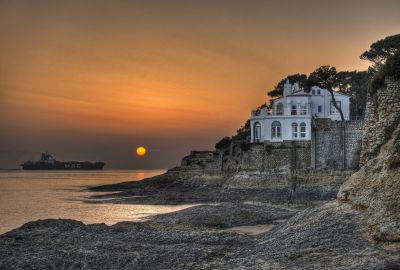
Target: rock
(326, 237)
(226, 215)
(375, 188)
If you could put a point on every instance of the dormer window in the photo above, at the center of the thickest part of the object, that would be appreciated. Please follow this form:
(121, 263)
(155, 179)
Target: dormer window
(313, 92)
(319, 92)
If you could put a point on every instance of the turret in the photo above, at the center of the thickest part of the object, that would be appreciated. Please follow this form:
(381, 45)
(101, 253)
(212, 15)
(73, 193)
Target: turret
(287, 88)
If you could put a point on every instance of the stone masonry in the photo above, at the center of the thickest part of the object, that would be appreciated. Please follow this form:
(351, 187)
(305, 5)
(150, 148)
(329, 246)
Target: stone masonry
(382, 117)
(336, 144)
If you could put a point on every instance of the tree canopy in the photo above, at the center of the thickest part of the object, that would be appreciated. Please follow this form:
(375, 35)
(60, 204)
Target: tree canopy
(381, 50)
(385, 57)
(355, 84)
(325, 77)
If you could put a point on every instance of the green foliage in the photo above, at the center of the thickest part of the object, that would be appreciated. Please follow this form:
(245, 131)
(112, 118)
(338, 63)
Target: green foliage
(223, 143)
(381, 50)
(245, 147)
(355, 84)
(278, 89)
(324, 77)
(385, 56)
(243, 132)
(391, 68)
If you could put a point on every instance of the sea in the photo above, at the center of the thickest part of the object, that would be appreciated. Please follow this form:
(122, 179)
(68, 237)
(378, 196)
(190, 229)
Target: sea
(32, 195)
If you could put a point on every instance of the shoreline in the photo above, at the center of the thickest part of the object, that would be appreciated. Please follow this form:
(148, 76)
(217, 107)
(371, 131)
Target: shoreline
(225, 231)
(203, 237)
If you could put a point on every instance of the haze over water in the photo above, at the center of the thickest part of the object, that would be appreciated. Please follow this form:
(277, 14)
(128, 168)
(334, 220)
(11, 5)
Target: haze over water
(30, 195)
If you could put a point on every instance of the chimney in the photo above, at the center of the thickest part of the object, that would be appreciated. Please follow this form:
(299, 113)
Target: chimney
(287, 88)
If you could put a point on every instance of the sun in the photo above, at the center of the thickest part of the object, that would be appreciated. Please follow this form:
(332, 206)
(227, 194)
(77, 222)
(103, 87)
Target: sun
(140, 151)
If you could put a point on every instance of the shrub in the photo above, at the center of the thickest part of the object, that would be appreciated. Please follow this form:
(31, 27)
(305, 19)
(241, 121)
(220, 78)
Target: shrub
(223, 143)
(245, 147)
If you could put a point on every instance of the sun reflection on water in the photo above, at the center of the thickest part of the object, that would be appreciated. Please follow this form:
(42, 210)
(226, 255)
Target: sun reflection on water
(27, 196)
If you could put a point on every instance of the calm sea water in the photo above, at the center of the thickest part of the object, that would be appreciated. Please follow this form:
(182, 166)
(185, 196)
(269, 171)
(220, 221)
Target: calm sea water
(33, 195)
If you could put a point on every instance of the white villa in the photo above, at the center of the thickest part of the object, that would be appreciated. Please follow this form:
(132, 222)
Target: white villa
(291, 114)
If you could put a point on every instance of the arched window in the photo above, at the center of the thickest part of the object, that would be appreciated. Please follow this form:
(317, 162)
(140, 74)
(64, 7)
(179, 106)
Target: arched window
(276, 128)
(279, 109)
(257, 130)
(295, 130)
(303, 131)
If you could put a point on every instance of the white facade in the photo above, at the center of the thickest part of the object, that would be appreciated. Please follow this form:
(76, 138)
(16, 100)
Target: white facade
(291, 114)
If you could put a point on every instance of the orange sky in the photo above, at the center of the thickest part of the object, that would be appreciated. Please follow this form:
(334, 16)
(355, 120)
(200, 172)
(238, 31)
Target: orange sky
(94, 79)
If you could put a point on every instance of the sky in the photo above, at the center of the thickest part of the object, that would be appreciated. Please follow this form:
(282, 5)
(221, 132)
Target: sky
(92, 80)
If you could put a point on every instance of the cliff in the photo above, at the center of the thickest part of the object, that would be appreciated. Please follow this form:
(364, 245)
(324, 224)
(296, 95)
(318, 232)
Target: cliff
(375, 188)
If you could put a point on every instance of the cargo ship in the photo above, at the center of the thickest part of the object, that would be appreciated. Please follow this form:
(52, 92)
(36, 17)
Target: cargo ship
(48, 162)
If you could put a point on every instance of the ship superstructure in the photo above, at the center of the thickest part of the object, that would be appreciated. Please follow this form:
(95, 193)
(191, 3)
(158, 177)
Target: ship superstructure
(48, 162)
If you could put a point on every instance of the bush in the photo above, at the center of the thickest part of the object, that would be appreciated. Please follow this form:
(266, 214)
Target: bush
(223, 143)
(245, 147)
(390, 69)
(392, 66)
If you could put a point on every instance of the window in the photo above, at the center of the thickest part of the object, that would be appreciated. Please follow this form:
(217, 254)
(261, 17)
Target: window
(319, 108)
(313, 92)
(333, 108)
(303, 130)
(295, 130)
(276, 130)
(303, 109)
(319, 92)
(294, 110)
(279, 109)
(257, 130)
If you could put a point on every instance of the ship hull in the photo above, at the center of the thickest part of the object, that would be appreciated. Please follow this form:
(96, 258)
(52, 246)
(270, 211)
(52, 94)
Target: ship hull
(68, 165)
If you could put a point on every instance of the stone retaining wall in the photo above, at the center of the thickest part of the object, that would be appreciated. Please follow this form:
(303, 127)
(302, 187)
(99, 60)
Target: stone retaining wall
(336, 144)
(382, 117)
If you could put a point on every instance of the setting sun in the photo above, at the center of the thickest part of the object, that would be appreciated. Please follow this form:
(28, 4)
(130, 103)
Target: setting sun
(140, 151)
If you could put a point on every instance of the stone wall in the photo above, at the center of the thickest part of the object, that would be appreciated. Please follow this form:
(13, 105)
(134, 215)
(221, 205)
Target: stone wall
(200, 162)
(265, 156)
(288, 171)
(382, 117)
(336, 144)
(375, 188)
